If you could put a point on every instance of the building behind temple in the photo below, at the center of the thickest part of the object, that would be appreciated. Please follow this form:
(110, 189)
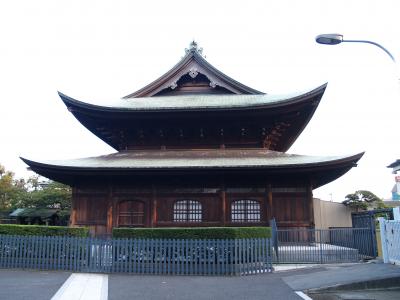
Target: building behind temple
(395, 166)
(195, 148)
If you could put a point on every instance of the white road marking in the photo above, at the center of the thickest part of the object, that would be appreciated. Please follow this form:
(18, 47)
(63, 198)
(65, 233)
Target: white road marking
(302, 295)
(81, 286)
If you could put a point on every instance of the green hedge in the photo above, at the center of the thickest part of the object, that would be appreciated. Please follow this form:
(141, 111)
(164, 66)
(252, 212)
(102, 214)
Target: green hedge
(11, 229)
(194, 233)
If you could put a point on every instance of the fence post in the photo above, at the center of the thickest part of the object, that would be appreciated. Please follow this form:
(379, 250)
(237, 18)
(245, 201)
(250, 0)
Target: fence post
(320, 232)
(396, 213)
(373, 237)
(385, 252)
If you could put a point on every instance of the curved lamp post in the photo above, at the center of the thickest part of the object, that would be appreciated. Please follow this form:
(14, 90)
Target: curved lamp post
(334, 39)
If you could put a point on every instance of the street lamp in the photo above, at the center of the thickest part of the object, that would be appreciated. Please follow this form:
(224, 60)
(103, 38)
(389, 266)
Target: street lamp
(334, 39)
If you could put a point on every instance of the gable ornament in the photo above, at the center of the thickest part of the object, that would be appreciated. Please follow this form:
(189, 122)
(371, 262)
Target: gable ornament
(193, 72)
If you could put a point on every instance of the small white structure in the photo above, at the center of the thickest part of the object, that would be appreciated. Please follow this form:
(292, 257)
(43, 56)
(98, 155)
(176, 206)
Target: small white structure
(396, 189)
(390, 239)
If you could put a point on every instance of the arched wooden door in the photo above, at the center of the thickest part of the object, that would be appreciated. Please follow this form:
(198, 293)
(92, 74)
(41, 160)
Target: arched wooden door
(131, 214)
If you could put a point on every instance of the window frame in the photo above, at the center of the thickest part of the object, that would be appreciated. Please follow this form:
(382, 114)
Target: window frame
(245, 211)
(187, 211)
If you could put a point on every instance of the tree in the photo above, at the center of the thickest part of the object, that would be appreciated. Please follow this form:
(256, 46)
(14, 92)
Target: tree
(11, 189)
(51, 194)
(362, 200)
(35, 193)
(33, 182)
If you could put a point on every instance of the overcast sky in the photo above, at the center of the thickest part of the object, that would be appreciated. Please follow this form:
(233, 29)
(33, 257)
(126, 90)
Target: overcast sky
(97, 50)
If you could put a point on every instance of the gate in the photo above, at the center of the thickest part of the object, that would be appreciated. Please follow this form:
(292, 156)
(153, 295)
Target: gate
(366, 219)
(100, 256)
(274, 231)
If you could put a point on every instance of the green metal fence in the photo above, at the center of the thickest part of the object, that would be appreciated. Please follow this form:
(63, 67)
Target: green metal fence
(137, 256)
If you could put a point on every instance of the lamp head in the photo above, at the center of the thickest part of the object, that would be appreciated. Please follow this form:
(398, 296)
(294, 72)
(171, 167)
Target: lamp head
(329, 39)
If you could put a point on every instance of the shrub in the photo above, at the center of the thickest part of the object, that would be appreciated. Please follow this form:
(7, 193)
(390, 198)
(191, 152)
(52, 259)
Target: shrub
(11, 229)
(193, 233)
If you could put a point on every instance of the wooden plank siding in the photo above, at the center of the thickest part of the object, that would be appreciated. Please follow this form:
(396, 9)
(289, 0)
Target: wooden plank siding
(104, 208)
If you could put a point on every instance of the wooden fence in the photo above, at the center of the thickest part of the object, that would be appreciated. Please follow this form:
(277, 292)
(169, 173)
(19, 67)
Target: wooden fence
(137, 256)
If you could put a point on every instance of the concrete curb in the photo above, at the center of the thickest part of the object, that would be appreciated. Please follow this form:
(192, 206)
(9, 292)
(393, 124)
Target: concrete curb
(280, 268)
(378, 283)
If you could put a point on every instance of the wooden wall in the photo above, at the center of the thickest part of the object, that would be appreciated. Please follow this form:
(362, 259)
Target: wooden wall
(99, 206)
(291, 209)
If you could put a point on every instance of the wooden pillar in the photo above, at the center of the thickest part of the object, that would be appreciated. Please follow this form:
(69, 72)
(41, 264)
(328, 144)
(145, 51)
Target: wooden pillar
(269, 206)
(223, 204)
(147, 210)
(154, 207)
(73, 216)
(115, 210)
(110, 218)
(311, 205)
(110, 205)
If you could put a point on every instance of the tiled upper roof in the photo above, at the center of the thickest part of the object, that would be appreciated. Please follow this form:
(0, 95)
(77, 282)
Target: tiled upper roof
(195, 102)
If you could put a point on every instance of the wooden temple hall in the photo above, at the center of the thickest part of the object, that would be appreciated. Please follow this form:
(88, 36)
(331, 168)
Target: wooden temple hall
(195, 148)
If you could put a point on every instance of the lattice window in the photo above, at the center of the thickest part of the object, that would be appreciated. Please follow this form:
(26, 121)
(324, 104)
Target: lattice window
(187, 211)
(246, 211)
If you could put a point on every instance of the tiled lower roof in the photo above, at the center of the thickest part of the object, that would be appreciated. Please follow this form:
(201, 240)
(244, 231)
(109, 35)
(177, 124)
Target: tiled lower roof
(188, 159)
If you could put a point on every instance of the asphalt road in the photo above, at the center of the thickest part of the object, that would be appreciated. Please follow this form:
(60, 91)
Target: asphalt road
(35, 285)
(30, 285)
(265, 286)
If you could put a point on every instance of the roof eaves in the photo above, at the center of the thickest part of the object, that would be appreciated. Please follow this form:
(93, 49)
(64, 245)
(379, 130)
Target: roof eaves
(308, 96)
(394, 164)
(333, 162)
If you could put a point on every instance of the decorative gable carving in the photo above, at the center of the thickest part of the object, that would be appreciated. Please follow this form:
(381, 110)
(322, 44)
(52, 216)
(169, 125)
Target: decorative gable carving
(193, 72)
(193, 64)
(194, 79)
